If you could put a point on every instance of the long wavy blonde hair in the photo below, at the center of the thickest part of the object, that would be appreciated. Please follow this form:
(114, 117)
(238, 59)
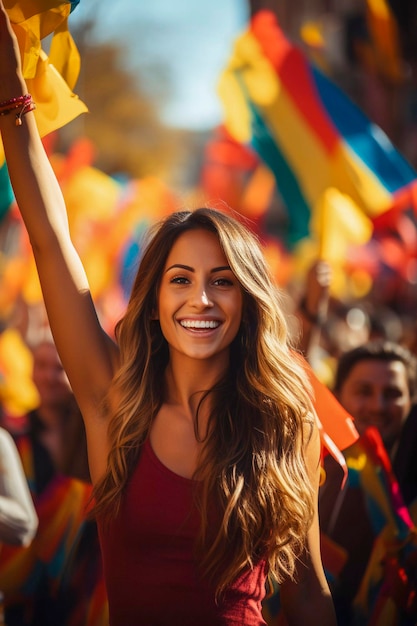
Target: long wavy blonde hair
(252, 465)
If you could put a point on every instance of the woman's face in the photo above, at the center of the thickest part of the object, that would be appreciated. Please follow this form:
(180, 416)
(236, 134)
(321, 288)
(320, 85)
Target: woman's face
(200, 299)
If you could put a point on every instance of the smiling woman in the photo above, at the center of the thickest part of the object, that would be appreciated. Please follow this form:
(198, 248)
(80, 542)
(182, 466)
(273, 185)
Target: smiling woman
(223, 406)
(199, 301)
(203, 445)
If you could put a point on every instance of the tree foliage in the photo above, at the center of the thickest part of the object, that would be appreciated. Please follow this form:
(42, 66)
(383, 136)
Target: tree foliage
(123, 122)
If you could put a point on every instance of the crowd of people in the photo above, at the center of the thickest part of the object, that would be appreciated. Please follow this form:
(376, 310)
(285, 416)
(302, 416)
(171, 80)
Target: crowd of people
(181, 462)
(366, 522)
(39, 577)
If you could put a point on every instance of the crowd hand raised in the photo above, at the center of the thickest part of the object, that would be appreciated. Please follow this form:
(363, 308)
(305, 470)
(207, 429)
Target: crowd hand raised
(317, 286)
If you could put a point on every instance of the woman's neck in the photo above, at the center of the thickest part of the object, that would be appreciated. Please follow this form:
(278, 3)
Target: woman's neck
(186, 383)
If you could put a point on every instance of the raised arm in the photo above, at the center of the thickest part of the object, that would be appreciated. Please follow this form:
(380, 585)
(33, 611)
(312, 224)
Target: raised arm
(88, 355)
(18, 519)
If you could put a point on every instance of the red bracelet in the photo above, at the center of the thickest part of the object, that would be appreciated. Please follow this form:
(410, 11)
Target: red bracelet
(13, 103)
(24, 103)
(16, 101)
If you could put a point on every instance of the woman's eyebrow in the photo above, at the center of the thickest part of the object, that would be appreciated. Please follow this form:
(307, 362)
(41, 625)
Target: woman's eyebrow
(221, 268)
(180, 266)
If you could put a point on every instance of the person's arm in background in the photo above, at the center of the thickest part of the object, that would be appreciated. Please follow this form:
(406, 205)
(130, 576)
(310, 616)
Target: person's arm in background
(312, 308)
(18, 519)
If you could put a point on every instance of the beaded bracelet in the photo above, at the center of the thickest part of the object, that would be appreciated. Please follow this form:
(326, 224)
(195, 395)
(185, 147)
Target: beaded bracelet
(24, 103)
(14, 103)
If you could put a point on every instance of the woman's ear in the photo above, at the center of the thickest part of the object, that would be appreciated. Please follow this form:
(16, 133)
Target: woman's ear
(155, 314)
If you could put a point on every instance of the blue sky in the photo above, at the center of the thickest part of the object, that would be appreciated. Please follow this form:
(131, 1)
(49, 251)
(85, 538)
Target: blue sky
(190, 39)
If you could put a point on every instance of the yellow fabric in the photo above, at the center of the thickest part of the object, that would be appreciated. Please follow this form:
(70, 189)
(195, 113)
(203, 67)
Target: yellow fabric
(49, 80)
(56, 104)
(260, 80)
(338, 223)
(64, 55)
(18, 393)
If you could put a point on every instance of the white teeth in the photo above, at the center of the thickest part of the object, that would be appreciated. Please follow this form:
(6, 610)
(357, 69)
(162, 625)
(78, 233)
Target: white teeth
(199, 324)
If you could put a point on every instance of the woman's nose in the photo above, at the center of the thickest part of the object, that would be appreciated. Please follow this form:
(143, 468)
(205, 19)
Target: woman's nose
(200, 297)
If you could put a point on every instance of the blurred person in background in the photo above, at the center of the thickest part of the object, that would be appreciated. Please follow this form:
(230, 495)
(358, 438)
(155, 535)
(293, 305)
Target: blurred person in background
(18, 519)
(42, 584)
(376, 383)
(365, 523)
(55, 426)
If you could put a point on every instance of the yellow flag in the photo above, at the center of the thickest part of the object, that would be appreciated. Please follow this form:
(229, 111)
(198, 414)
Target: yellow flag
(49, 80)
(337, 224)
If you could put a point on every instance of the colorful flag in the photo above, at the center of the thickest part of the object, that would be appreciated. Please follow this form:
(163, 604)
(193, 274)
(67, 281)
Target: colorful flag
(308, 132)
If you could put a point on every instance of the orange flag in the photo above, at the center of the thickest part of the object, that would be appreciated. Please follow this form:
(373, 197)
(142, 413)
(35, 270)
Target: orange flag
(337, 430)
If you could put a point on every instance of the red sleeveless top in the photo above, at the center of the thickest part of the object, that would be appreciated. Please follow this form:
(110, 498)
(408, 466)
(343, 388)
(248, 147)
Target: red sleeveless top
(149, 564)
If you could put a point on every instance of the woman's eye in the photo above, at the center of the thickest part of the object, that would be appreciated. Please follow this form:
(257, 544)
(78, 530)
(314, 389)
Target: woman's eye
(223, 282)
(179, 280)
